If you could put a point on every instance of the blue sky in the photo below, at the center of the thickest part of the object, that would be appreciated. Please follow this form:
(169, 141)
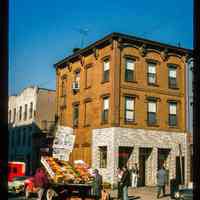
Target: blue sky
(44, 31)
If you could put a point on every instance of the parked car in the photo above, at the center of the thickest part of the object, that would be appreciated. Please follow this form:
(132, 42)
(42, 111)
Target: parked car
(17, 185)
(184, 194)
(16, 169)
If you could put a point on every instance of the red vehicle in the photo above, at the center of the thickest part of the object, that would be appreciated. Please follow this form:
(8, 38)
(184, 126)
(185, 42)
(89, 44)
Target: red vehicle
(16, 169)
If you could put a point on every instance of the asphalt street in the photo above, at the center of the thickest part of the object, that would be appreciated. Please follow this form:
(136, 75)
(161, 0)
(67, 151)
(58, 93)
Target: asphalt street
(13, 196)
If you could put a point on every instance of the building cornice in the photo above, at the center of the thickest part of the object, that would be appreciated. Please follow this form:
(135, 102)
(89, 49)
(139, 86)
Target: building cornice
(125, 41)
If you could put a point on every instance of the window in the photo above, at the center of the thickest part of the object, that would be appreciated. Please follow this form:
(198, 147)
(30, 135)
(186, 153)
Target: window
(87, 113)
(25, 111)
(9, 116)
(88, 77)
(151, 73)
(64, 86)
(151, 114)
(103, 157)
(173, 114)
(129, 109)
(106, 69)
(14, 115)
(172, 77)
(31, 110)
(75, 115)
(76, 82)
(105, 110)
(129, 69)
(20, 113)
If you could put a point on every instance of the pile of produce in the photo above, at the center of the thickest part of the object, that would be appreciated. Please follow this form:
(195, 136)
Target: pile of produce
(64, 172)
(83, 170)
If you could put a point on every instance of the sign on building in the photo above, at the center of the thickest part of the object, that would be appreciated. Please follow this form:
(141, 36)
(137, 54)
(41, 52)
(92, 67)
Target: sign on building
(63, 143)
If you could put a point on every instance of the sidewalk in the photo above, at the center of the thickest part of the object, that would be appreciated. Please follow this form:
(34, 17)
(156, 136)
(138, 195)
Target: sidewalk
(142, 193)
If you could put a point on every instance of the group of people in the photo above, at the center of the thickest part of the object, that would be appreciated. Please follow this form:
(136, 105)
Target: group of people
(127, 178)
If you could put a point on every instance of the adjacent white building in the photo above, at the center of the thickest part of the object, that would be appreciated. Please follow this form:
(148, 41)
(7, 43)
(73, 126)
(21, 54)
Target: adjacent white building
(29, 114)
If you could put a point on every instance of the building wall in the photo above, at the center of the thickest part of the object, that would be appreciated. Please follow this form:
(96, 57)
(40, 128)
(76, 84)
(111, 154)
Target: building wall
(21, 132)
(116, 88)
(189, 93)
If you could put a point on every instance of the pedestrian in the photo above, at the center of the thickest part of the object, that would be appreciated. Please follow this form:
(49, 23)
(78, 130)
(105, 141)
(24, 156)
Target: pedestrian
(125, 182)
(119, 177)
(134, 174)
(161, 181)
(41, 182)
(97, 184)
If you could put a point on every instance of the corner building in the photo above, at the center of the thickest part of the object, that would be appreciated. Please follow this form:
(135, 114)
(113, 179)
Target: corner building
(125, 99)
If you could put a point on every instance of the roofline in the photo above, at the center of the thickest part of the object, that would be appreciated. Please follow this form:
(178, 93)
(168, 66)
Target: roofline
(31, 87)
(116, 35)
(51, 90)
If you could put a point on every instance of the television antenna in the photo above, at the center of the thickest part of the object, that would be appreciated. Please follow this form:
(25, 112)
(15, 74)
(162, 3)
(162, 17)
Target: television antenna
(83, 32)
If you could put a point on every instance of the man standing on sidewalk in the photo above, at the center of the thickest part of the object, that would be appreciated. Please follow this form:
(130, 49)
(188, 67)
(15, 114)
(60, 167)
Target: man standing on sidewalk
(161, 181)
(125, 182)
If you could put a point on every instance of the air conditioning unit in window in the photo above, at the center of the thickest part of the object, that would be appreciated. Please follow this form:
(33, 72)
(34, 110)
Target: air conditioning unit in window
(75, 86)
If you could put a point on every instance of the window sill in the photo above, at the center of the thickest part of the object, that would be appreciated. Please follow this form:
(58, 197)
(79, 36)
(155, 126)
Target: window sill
(88, 87)
(75, 126)
(130, 123)
(130, 81)
(174, 88)
(86, 125)
(104, 123)
(152, 125)
(104, 81)
(153, 84)
(175, 127)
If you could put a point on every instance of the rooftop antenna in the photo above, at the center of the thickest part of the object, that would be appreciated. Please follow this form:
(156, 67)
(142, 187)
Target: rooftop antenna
(83, 33)
(179, 44)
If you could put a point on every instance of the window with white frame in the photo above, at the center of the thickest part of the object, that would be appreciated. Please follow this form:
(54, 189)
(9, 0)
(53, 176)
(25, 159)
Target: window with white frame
(151, 114)
(129, 109)
(151, 73)
(105, 111)
(106, 69)
(172, 77)
(129, 69)
(173, 114)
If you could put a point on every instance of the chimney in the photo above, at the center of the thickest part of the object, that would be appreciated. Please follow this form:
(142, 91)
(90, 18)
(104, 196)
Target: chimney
(76, 49)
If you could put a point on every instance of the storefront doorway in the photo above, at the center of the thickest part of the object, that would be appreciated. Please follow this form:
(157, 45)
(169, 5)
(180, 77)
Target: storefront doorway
(124, 155)
(163, 160)
(144, 154)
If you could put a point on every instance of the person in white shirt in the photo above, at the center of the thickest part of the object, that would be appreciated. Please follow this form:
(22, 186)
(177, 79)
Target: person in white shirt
(134, 173)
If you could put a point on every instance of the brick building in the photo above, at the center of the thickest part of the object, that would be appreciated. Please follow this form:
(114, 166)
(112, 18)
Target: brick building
(31, 116)
(125, 99)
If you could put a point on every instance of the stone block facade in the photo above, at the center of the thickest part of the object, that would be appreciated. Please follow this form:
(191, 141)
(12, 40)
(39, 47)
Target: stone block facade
(117, 137)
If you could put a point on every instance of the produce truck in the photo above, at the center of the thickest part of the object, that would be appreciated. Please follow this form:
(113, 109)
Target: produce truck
(65, 180)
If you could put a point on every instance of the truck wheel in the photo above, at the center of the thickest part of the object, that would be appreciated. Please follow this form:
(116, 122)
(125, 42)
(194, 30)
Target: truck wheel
(51, 194)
